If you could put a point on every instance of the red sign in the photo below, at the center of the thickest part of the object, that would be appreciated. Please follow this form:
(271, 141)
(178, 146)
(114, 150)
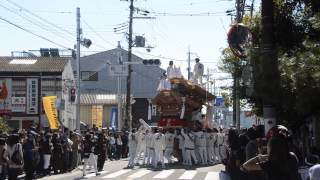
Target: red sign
(171, 121)
(5, 112)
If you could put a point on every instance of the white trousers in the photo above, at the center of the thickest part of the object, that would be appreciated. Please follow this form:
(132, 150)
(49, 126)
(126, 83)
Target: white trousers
(167, 154)
(46, 161)
(203, 154)
(190, 154)
(158, 156)
(211, 154)
(197, 153)
(140, 149)
(132, 156)
(91, 160)
(223, 152)
(184, 158)
(217, 153)
(147, 156)
(152, 156)
(198, 79)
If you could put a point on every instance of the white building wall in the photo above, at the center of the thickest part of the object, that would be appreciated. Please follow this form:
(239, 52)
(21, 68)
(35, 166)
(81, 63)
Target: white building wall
(68, 113)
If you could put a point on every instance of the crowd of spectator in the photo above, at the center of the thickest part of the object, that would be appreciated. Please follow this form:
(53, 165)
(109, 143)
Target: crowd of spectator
(247, 155)
(37, 153)
(252, 156)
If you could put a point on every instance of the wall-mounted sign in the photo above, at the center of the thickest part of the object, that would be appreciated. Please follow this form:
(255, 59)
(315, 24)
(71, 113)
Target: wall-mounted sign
(118, 70)
(5, 96)
(32, 96)
(18, 104)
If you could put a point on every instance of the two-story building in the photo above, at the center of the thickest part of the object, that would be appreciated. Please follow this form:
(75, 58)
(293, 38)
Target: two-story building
(23, 83)
(100, 88)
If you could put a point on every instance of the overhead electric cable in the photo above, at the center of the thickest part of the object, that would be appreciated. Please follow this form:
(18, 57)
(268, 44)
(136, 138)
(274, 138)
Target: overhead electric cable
(42, 37)
(36, 23)
(46, 21)
(187, 14)
(97, 33)
(174, 59)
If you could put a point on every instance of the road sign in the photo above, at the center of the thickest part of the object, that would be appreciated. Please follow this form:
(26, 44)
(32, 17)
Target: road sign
(118, 70)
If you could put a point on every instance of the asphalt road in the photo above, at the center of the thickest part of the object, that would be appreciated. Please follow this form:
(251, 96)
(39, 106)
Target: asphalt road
(116, 170)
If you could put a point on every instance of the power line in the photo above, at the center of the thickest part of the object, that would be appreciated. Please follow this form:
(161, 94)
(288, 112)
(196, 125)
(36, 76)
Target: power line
(54, 12)
(168, 58)
(34, 22)
(159, 56)
(187, 14)
(42, 37)
(44, 20)
(97, 33)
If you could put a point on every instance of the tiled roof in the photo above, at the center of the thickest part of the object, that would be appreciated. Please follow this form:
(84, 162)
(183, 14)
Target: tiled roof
(42, 64)
(98, 99)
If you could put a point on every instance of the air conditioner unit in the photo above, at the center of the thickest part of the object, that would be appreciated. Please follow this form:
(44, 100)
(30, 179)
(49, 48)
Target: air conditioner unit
(44, 52)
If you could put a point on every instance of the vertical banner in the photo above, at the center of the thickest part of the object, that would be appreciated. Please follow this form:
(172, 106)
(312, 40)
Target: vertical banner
(32, 96)
(5, 96)
(114, 118)
(51, 111)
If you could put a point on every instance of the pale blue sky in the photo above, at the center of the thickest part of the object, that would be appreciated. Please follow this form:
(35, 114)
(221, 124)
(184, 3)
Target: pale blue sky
(170, 35)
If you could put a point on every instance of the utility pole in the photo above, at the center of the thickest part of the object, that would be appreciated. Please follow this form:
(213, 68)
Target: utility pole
(238, 108)
(128, 120)
(269, 65)
(237, 74)
(234, 97)
(119, 95)
(78, 72)
(189, 54)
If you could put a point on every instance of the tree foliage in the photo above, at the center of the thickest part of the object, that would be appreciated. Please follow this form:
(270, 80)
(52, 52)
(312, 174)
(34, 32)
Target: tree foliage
(4, 127)
(300, 76)
(228, 61)
(297, 44)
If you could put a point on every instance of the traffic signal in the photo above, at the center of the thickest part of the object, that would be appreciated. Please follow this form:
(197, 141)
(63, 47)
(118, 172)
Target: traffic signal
(151, 62)
(72, 94)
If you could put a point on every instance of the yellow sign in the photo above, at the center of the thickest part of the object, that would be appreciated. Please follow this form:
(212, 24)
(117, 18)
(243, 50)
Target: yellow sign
(51, 111)
(97, 114)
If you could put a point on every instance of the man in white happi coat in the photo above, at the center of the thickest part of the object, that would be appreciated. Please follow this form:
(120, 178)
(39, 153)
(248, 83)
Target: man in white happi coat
(141, 146)
(148, 156)
(224, 147)
(132, 143)
(221, 147)
(202, 146)
(211, 139)
(164, 83)
(159, 146)
(198, 71)
(216, 146)
(189, 147)
(169, 140)
(171, 70)
(149, 151)
(181, 147)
